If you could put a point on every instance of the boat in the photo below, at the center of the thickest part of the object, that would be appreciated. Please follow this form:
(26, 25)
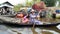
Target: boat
(14, 22)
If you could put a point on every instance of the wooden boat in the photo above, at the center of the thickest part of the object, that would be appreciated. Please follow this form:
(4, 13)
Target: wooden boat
(16, 21)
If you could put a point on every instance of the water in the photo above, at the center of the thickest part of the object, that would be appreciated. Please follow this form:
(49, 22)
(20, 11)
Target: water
(28, 30)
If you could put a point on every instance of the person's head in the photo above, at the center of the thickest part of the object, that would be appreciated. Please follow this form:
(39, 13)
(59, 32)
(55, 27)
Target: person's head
(32, 11)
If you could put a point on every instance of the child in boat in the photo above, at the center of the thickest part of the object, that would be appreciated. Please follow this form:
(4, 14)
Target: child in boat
(23, 18)
(33, 17)
(20, 15)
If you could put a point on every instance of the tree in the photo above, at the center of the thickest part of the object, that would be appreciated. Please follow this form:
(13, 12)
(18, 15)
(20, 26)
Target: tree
(49, 3)
(36, 1)
(29, 3)
(17, 7)
(59, 2)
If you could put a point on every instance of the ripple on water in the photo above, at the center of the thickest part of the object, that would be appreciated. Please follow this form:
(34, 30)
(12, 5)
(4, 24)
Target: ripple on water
(22, 30)
(5, 30)
(44, 31)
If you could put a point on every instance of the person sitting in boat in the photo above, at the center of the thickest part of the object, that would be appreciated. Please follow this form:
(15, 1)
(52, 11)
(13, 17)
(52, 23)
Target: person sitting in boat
(33, 17)
(23, 17)
(20, 15)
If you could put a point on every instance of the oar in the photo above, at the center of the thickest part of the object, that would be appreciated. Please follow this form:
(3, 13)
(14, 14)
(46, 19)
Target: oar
(33, 25)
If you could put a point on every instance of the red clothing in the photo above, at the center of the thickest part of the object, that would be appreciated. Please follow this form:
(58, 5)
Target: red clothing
(39, 7)
(35, 7)
(19, 15)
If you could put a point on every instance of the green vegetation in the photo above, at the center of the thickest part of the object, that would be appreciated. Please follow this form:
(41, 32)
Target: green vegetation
(29, 3)
(49, 3)
(59, 2)
(17, 7)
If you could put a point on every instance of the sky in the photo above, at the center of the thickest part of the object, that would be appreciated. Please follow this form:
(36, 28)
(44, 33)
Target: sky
(14, 2)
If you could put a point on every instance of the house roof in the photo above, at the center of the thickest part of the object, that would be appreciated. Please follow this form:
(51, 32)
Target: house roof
(7, 3)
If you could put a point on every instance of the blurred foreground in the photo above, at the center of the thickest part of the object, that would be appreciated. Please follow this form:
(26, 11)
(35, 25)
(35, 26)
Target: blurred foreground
(28, 30)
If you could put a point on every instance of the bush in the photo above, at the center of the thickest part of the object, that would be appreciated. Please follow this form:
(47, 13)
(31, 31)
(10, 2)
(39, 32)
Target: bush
(49, 3)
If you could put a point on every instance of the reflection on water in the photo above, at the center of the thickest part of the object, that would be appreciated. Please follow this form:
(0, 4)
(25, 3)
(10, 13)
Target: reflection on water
(28, 30)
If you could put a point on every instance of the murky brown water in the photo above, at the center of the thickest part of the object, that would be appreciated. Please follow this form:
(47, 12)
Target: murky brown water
(29, 30)
(49, 28)
(41, 30)
(49, 20)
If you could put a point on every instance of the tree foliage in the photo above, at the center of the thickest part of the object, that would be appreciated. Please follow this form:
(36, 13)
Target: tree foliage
(29, 3)
(17, 7)
(49, 3)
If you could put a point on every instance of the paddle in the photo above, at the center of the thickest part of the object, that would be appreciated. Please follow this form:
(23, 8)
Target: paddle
(33, 25)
